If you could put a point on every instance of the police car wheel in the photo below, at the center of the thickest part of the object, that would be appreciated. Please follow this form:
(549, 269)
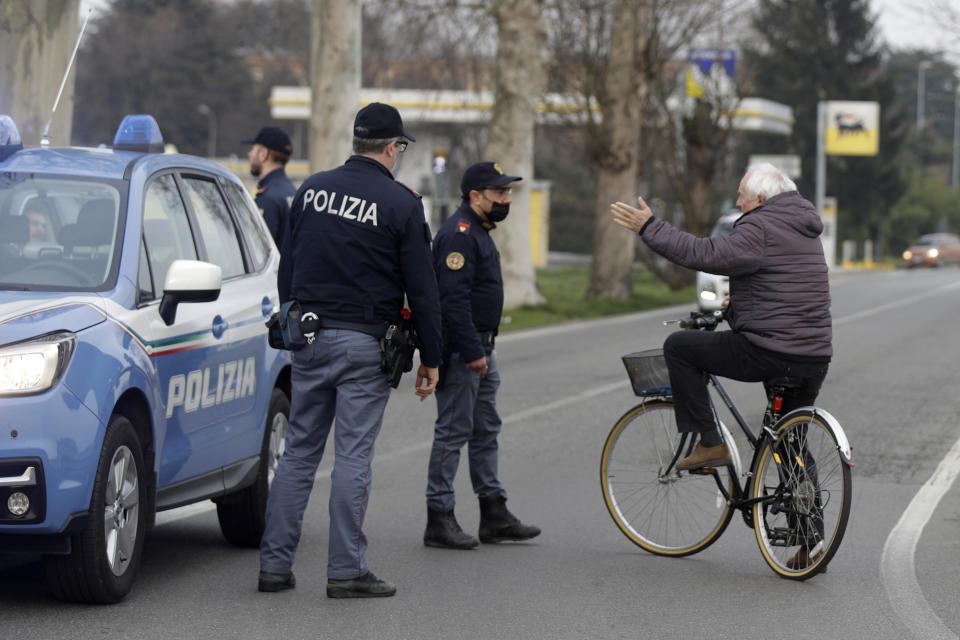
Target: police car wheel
(243, 515)
(104, 558)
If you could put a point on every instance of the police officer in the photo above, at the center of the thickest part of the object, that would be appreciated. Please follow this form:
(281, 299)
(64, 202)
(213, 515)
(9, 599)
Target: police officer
(358, 242)
(471, 295)
(269, 153)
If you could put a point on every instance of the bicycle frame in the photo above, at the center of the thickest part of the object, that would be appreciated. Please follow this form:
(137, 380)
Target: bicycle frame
(742, 481)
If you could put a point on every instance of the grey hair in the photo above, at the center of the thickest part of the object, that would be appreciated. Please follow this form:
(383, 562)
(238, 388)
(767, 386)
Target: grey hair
(764, 179)
(372, 145)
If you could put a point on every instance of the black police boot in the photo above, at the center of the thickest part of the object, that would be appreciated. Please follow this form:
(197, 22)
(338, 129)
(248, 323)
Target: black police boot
(443, 530)
(498, 524)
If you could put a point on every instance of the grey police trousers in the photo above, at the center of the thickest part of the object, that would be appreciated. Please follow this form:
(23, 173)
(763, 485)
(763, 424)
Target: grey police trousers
(466, 414)
(338, 376)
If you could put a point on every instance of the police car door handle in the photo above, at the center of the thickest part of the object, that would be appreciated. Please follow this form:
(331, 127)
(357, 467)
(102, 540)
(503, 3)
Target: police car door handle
(219, 326)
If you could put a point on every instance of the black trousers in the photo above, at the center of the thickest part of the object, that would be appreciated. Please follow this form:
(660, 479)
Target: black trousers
(690, 354)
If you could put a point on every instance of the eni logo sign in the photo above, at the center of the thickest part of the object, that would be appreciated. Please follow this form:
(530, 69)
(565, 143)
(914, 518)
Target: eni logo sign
(852, 128)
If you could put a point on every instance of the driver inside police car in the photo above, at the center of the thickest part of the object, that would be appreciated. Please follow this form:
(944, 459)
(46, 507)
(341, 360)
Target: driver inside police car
(41, 224)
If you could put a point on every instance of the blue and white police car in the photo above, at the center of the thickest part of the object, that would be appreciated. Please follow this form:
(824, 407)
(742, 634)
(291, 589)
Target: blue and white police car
(135, 373)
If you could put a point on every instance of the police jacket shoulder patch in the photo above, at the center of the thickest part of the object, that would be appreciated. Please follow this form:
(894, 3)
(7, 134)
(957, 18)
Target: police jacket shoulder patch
(455, 261)
(415, 193)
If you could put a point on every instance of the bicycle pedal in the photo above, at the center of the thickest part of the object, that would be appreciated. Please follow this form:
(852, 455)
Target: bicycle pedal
(703, 471)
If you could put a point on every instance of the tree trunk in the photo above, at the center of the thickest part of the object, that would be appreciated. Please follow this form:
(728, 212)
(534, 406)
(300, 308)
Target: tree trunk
(705, 140)
(519, 81)
(617, 150)
(334, 80)
(36, 41)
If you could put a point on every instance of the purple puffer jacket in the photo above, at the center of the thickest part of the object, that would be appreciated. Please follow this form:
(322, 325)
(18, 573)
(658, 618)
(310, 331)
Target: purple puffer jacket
(779, 291)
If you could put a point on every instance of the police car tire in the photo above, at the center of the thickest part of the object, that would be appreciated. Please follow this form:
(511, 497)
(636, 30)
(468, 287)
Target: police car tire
(84, 575)
(243, 515)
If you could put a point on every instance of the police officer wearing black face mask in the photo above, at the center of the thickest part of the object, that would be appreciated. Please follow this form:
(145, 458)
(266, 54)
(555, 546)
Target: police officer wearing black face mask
(358, 242)
(268, 155)
(471, 295)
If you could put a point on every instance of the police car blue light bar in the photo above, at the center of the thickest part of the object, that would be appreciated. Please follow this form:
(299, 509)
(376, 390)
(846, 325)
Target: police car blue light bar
(139, 132)
(10, 141)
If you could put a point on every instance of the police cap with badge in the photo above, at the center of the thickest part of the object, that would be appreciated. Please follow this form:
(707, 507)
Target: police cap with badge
(273, 138)
(484, 174)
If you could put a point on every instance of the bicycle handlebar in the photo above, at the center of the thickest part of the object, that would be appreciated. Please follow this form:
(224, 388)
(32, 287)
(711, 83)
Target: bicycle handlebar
(701, 320)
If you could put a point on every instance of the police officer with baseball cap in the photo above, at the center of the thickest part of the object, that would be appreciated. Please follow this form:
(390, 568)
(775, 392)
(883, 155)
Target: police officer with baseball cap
(471, 296)
(359, 241)
(269, 153)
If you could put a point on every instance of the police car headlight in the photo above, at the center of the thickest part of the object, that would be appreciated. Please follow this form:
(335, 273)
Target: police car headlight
(35, 366)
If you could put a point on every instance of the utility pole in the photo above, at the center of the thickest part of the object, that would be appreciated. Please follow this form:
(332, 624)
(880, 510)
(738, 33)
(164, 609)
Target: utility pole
(921, 91)
(955, 175)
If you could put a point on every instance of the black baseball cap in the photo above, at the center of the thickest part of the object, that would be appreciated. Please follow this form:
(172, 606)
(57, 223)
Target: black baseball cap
(484, 174)
(379, 121)
(273, 138)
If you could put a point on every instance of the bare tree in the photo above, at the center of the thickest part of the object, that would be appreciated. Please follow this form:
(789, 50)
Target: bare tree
(334, 80)
(624, 57)
(36, 40)
(519, 71)
(616, 151)
(519, 82)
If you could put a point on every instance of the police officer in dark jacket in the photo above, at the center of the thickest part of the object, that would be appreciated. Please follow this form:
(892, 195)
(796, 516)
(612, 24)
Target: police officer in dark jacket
(269, 153)
(358, 242)
(471, 295)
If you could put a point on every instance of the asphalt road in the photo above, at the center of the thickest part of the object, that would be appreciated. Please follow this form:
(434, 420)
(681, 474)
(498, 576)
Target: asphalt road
(893, 386)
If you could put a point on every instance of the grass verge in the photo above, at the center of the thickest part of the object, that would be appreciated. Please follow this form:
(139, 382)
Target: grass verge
(565, 289)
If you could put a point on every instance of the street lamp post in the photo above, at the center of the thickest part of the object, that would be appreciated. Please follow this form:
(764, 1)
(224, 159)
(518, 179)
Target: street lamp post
(211, 129)
(921, 90)
(955, 174)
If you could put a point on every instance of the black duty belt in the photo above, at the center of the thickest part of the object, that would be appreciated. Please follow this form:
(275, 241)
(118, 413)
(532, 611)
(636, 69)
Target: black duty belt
(310, 323)
(486, 337)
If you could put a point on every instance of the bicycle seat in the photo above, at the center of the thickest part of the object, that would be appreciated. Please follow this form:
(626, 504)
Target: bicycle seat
(787, 383)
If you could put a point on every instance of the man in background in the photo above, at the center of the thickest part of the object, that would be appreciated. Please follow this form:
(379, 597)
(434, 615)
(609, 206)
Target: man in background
(269, 153)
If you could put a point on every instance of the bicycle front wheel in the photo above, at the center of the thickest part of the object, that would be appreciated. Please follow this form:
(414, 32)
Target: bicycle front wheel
(662, 510)
(803, 489)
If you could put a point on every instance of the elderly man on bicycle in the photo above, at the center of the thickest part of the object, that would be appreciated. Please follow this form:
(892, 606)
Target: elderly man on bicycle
(779, 308)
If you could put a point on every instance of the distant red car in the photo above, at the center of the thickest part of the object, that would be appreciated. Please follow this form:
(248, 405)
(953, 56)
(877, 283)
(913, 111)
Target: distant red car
(933, 250)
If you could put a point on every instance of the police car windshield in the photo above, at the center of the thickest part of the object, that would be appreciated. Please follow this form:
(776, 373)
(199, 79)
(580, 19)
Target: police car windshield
(57, 233)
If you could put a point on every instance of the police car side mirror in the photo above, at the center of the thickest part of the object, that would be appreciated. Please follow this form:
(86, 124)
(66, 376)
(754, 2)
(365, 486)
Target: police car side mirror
(188, 281)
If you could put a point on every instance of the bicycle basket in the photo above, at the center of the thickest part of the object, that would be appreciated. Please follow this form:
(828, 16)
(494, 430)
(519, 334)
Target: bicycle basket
(648, 372)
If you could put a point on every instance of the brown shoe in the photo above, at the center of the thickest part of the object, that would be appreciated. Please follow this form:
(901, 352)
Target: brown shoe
(803, 558)
(702, 456)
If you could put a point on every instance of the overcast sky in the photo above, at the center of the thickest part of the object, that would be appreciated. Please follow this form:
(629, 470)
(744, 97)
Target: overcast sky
(902, 24)
(905, 25)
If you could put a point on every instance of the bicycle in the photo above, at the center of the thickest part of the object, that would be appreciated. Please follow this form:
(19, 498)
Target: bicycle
(795, 495)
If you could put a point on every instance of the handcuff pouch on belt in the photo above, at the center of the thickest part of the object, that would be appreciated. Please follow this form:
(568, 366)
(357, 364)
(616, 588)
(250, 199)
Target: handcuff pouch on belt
(290, 328)
(397, 347)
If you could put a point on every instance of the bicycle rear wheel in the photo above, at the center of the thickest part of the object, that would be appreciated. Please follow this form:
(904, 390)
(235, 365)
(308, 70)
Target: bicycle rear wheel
(804, 487)
(670, 513)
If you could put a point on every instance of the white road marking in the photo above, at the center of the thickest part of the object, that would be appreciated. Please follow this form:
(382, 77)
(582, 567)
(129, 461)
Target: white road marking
(202, 507)
(896, 562)
(897, 568)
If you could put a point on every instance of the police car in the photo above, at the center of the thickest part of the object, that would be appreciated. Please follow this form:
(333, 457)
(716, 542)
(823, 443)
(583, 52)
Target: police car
(135, 374)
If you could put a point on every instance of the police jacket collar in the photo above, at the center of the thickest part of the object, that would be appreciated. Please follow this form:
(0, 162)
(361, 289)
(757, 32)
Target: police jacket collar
(486, 224)
(270, 177)
(370, 161)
